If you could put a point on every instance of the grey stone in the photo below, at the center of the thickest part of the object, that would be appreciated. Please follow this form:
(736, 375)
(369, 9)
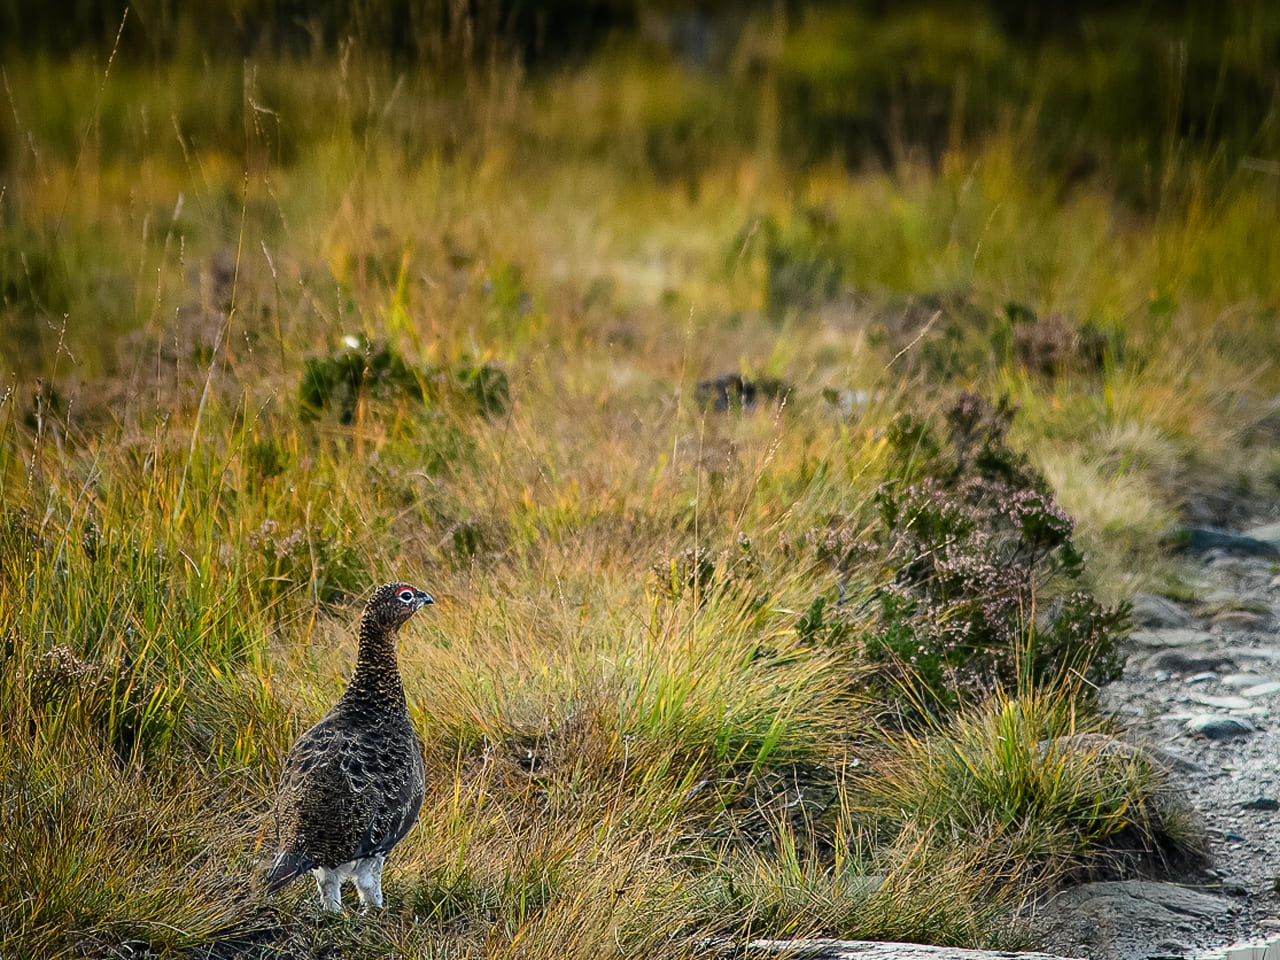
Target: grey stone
(1223, 703)
(1186, 663)
(1150, 610)
(1240, 680)
(1240, 620)
(1269, 532)
(1262, 689)
(1257, 653)
(1136, 905)
(1257, 710)
(861, 950)
(1171, 637)
(1268, 804)
(1205, 539)
(1215, 726)
(1174, 761)
(1126, 902)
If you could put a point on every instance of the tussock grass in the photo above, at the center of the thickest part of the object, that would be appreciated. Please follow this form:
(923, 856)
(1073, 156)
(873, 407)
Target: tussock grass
(1038, 787)
(907, 891)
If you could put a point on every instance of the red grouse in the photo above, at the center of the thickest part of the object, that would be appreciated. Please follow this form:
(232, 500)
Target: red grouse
(352, 785)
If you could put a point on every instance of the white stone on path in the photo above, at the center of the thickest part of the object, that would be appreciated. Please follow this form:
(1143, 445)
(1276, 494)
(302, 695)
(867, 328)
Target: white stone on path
(1223, 703)
(1218, 727)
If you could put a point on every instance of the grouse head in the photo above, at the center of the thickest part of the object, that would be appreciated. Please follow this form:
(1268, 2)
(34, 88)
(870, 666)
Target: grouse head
(394, 603)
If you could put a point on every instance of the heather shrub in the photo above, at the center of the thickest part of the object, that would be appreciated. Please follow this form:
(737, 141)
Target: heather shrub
(1054, 346)
(325, 560)
(986, 587)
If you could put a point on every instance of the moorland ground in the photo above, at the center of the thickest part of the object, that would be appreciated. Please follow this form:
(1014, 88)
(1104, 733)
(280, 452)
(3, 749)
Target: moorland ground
(779, 420)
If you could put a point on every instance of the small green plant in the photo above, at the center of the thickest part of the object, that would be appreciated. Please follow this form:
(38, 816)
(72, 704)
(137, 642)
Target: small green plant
(822, 623)
(704, 572)
(363, 371)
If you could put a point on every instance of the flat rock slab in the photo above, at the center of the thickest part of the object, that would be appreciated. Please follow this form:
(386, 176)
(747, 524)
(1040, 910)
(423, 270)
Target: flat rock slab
(1204, 539)
(1133, 919)
(1239, 680)
(1270, 654)
(1217, 727)
(1268, 532)
(1141, 901)
(1224, 703)
(868, 950)
(1150, 610)
(1172, 637)
(1240, 620)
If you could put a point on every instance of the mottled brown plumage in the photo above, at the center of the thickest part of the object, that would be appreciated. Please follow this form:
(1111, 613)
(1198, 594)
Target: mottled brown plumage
(352, 785)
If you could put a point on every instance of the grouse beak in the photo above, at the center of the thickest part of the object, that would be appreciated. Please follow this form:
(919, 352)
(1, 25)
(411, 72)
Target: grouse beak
(423, 599)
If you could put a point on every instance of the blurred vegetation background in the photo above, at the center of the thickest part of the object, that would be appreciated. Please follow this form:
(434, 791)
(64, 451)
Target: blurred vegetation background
(1147, 94)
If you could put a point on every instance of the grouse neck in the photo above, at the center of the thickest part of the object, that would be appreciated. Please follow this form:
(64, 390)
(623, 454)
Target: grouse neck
(377, 674)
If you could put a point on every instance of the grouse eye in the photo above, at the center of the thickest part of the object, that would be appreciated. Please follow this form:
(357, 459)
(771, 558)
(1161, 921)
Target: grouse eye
(406, 596)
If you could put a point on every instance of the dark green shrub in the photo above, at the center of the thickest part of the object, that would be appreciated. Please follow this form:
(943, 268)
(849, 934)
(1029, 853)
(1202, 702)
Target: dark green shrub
(467, 539)
(375, 371)
(1053, 346)
(487, 386)
(802, 270)
(267, 459)
(363, 369)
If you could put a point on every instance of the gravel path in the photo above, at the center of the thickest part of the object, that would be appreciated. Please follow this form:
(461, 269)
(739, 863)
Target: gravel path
(1203, 683)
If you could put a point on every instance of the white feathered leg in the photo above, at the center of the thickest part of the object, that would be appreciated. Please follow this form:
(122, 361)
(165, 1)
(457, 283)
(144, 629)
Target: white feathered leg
(369, 882)
(330, 884)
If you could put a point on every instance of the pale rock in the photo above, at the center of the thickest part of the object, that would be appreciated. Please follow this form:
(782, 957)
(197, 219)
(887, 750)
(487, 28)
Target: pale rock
(1171, 637)
(1218, 727)
(1150, 610)
(1239, 680)
(1270, 532)
(1223, 703)
(1240, 620)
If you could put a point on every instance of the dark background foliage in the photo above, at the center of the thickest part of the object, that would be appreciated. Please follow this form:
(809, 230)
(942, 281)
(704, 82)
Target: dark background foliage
(1124, 90)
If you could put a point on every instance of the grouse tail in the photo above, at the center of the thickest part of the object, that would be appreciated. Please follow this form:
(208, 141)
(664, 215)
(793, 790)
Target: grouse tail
(283, 869)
